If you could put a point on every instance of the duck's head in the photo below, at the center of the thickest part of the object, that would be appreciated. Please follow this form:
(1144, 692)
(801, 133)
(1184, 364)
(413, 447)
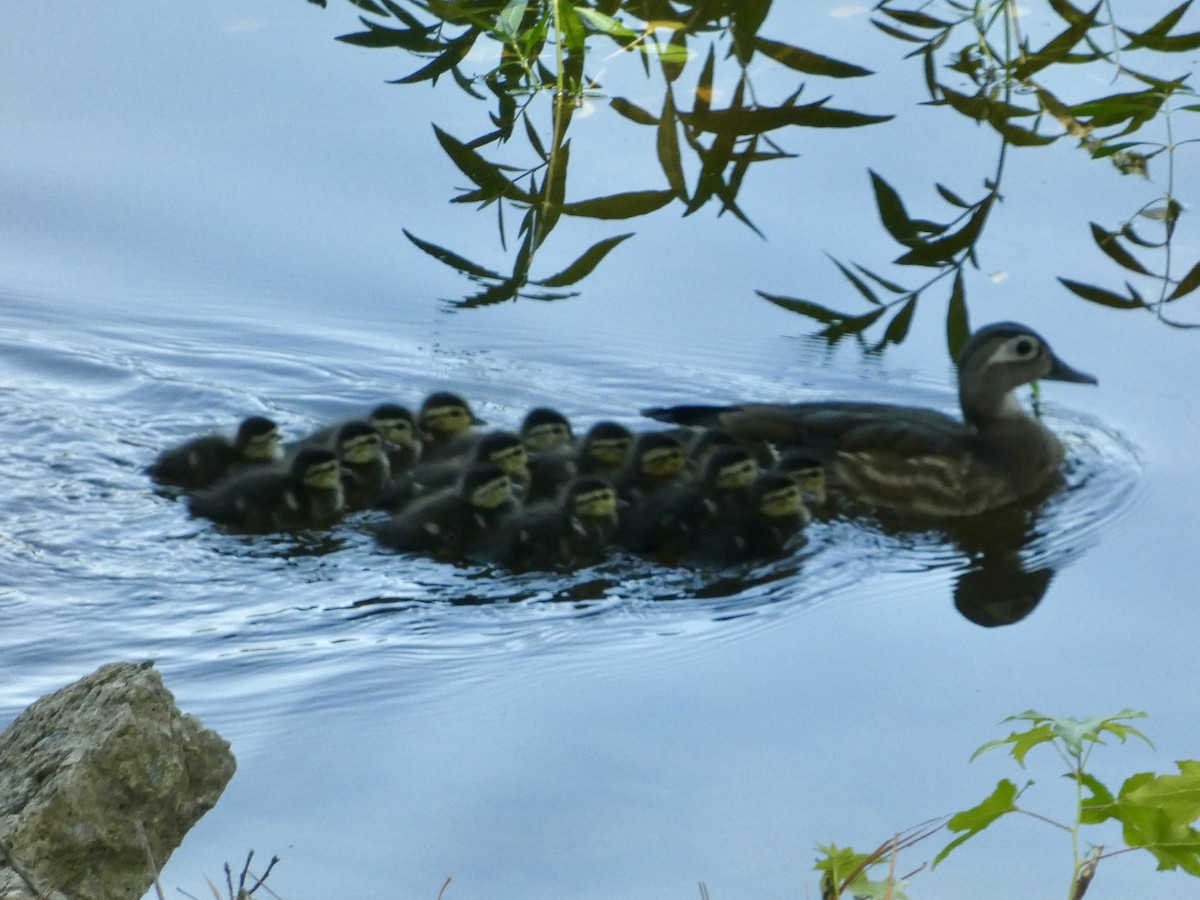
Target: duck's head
(258, 438)
(807, 471)
(359, 443)
(546, 429)
(779, 497)
(317, 468)
(591, 498)
(607, 445)
(445, 415)
(730, 469)
(1000, 357)
(709, 440)
(659, 454)
(396, 423)
(504, 449)
(486, 487)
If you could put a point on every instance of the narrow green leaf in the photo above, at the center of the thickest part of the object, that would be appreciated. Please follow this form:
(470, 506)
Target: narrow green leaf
(508, 22)
(483, 173)
(916, 19)
(958, 327)
(606, 24)
(704, 87)
(897, 329)
(583, 266)
(1100, 295)
(1066, 11)
(822, 314)
(882, 282)
(632, 112)
(974, 820)
(497, 293)
(850, 326)
(441, 254)
(1190, 282)
(861, 286)
(952, 198)
(456, 51)
(1107, 241)
(370, 7)
(806, 61)
(891, 210)
(897, 33)
(1058, 46)
(414, 40)
(626, 205)
(667, 146)
(1020, 137)
(942, 251)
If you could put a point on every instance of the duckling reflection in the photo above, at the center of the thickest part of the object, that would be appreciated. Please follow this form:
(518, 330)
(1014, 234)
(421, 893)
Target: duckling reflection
(308, 495)
(920, 460)
(203, 461)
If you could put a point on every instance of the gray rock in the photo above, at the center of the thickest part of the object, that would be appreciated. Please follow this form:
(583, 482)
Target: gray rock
(86, 770)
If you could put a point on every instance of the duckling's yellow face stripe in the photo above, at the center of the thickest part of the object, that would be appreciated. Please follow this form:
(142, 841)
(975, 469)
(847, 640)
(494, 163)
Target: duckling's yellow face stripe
(609, 451)
(513, 460)
(788, 501)
(323, 475)
(546, 437)
(362, 449)
(739, 475)
(812, 482)
(263, 446)
(494, 493)
(663, 461)
(446, 420)
(396, 431)
(597, 504)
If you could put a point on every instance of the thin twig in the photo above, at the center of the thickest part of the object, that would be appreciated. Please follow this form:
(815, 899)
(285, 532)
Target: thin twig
(141, 828)
(445, 884)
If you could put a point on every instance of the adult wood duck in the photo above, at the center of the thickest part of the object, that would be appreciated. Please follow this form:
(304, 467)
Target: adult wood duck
(457, 523)
(919, 460)
(309, 494)
(205, 460)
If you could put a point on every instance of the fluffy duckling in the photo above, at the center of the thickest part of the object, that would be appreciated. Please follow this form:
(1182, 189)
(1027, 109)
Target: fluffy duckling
(398, 426)
(500, 448)
(461, 522)
(308, 494)
(550, 440)
(572, 533)
(807, 471)
(544, 429)
(366, 471)
(769, 526)
(446, 424)
(204, 461)
(658, 462)
(605, 450)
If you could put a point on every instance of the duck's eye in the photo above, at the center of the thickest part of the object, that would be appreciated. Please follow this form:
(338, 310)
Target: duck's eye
(1024, 347)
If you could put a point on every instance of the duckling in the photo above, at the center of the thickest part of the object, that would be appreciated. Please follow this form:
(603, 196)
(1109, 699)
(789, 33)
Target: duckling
(501, 448)
(308, 494)
(550, 440)
(446, 421)
(366, 471)
(769, 525)
(204, 461)
(461, 522)
(658, 462)
(807, 471)
(571, 533)
(544, 429)
(917, 460)
(605, 450)
(398, 426)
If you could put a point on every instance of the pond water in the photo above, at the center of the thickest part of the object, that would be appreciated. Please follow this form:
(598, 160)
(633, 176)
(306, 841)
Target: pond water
(203, 214)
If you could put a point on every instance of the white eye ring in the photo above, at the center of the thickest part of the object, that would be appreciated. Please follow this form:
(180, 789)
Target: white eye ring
(1017, 349)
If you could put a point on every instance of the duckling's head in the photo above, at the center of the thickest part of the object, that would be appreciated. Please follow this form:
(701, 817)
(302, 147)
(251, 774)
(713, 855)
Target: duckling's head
(590, 498)
(546, 429)
(709, 440)
(317, 468)
(504, 449)
(659, 454)
(730, 469)
(396, 423)
(445, 415)
(258, 438)
(1000, 357)
(486, 487)
(779, 497)
(807, 471)
(607, 445)
(359, 443)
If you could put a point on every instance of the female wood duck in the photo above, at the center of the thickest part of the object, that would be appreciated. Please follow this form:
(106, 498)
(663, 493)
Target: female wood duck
(919, 460)
(457, 523)
(445, 420)
(366, 471)
(309, 494)
(204, 461)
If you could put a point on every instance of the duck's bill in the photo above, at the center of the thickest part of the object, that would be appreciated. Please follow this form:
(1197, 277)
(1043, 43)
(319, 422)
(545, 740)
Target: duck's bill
(1060, 371)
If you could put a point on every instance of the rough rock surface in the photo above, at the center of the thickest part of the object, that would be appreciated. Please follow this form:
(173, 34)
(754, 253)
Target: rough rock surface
(85, 770)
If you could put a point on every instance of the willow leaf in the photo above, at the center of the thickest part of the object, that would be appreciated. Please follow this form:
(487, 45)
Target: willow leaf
(861, 286)
(897, 329)
(1190, 282)
(667, 146)
(806, 61)
(941, 252)
(854, 325)
(958, 326)
(1107, 242)
(411, 39)
(1018, 136)
(1058, 46)
(897, 33)
(456, 51)
(632, 111)
(371, 7)
(483, 173)
(606, 24)
(822, 314)
(583, 266)
(891, 211)
(916, 19)
(450, 258)
(882, 282)
(627, 205)
(1100, 295)
(497, 293)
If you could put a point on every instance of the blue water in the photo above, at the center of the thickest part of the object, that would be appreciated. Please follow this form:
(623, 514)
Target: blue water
(179, 252)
